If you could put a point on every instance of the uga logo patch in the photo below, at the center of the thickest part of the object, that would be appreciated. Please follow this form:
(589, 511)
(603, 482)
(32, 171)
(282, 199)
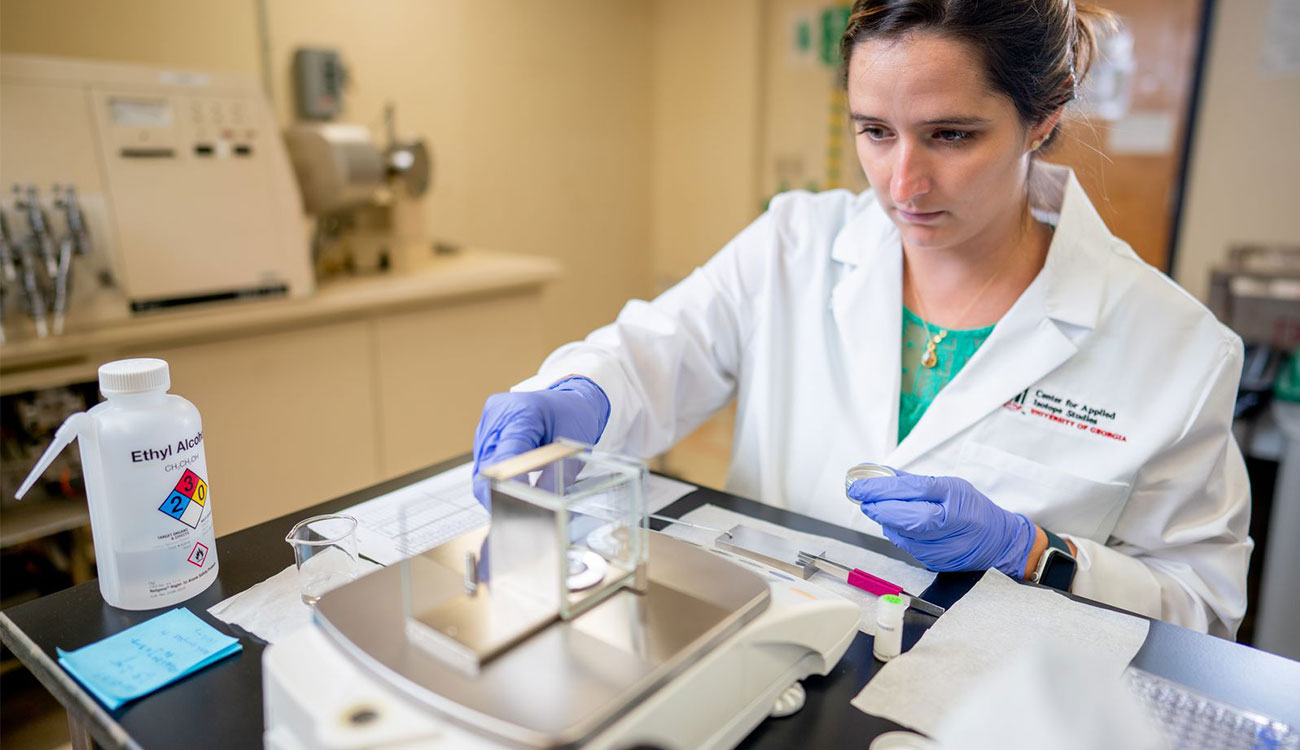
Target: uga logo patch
(1083, 417)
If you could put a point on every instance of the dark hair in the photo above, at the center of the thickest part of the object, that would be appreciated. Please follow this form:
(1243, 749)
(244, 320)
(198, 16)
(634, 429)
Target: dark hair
(1036, 52)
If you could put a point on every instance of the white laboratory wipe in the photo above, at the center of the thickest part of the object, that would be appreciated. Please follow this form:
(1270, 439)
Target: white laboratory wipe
(273, 608)
(996, 621)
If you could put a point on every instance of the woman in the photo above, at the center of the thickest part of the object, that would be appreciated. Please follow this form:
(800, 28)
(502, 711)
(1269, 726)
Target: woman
(969, 321)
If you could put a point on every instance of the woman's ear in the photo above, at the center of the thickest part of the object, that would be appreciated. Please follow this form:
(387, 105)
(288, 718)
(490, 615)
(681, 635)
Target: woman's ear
(1039, 133)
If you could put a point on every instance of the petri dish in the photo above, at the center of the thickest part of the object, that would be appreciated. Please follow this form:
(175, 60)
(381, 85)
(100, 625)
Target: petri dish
(865, 471)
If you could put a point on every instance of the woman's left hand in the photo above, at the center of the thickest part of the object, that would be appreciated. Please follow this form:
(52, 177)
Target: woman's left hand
(946, 523)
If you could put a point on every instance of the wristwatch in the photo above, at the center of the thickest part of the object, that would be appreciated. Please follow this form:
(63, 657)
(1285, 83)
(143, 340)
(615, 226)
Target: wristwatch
(1056, 568)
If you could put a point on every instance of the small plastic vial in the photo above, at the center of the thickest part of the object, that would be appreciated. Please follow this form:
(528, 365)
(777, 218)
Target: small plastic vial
(889, 627)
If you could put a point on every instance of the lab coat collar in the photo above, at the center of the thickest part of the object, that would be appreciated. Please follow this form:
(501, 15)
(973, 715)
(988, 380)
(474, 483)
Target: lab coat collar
(1027, 344)
(1073, 274)
(1075, 271)
(867, 236)
(867, 305)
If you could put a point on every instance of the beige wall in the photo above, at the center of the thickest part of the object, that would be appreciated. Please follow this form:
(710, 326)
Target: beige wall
(739, 114)
(632, 140)
(807, 143)
(707, 124)
(174, 33)
(538, 113)
(1245, 167)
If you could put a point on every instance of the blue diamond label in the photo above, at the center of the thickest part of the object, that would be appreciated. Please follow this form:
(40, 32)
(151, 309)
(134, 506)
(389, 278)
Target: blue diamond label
(175, 505)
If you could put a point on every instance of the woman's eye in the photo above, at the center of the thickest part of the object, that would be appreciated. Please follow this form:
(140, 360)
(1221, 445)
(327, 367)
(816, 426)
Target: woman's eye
(873, 132)
(953, 136)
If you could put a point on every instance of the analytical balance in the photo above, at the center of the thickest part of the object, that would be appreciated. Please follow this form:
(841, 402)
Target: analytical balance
(569, 624)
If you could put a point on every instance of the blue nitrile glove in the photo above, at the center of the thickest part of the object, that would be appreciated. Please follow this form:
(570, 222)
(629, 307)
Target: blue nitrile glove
(515, 423)
(946, 523)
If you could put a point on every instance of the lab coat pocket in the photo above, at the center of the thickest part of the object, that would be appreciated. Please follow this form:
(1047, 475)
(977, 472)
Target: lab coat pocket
(1054, 498)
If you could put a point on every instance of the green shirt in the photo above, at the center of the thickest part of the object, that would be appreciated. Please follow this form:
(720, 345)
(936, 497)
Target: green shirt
(919, 384)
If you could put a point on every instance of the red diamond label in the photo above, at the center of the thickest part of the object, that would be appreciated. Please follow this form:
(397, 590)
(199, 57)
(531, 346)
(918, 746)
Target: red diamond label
(198, 554)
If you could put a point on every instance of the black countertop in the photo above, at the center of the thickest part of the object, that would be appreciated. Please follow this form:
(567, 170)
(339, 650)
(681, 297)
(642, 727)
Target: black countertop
(221, 706)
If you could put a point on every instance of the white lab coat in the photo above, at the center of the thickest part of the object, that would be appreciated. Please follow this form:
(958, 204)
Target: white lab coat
(800, 316)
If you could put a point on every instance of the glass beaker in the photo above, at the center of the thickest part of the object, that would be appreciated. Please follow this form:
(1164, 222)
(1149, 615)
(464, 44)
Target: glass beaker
(325, 551)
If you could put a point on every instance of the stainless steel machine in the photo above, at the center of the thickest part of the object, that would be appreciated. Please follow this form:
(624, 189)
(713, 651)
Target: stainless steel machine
(364, 194)
(570, 625)
(138, 188)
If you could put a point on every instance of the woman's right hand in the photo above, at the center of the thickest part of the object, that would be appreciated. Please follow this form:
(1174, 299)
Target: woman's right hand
(517, 422)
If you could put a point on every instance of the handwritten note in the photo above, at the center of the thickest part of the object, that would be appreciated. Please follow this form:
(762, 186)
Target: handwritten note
(143, 658)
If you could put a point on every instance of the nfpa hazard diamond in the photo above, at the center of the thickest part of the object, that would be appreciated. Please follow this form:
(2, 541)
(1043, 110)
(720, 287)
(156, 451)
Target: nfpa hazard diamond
(187, 500)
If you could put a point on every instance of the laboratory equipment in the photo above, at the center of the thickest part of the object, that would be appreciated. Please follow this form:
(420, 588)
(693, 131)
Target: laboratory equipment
(864, 471)
(888, 641)
(75, 241)
(38, 224)
(769, 549)
(178, 178)
(785, 555)
(483, 642)
(318, 80)
(902, 740)
(688, 524)
(339, 165)
(1192, 721)
(364, 195)
(325, 553)
(1256, 293)
(30, 420)
(1277, 624)
(147, 487)
(21, 254)
(861, 579)
(8, 271)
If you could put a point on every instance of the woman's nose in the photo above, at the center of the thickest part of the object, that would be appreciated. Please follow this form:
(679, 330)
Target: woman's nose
(911, 177)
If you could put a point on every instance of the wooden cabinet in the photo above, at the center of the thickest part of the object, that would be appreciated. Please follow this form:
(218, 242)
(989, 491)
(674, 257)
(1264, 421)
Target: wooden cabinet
(288, 417)
(434, 368)
(307, 400)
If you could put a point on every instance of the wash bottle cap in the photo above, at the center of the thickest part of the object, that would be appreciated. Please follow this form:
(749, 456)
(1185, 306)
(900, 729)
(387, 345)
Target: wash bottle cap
(127, 376)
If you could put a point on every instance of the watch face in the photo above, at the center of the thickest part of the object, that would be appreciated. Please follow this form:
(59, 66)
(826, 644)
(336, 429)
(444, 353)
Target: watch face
(1058, 570)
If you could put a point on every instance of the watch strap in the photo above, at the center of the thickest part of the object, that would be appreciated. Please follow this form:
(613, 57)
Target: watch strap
(1057, 542)
(1057, 566)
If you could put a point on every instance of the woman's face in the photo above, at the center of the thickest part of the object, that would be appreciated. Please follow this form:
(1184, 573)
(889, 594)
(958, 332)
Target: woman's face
(946, 155)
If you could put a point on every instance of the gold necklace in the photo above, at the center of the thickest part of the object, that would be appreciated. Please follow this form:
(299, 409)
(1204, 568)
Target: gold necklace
(930, 357)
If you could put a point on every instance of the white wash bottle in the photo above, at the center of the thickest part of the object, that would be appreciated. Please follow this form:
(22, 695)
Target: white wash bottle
(147, 487)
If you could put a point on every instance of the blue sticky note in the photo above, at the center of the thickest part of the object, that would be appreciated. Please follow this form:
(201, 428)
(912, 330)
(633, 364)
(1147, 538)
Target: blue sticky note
(145, 657)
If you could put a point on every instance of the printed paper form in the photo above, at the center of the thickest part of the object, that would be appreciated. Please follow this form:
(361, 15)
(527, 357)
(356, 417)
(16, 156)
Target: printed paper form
(418, 517)
(423, 515)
